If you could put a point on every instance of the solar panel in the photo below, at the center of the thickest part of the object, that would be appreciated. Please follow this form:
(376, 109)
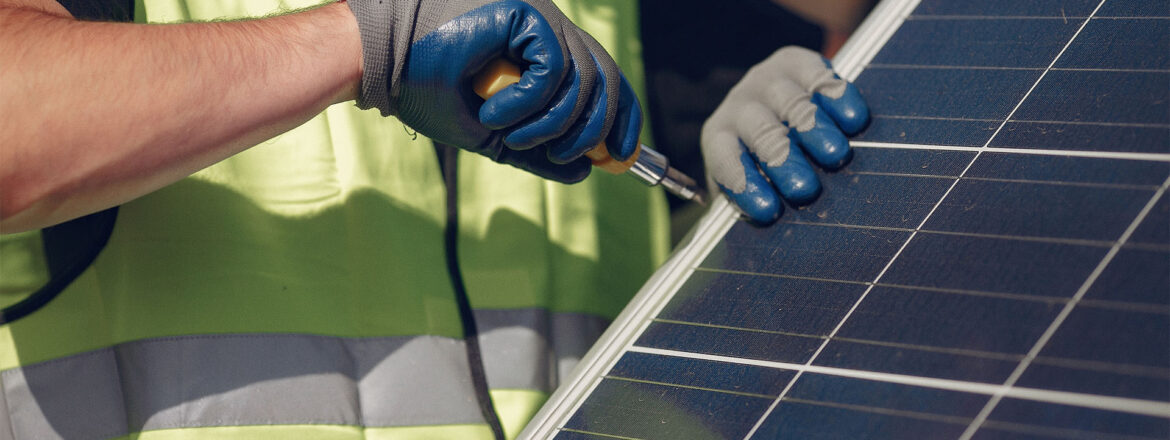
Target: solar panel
(995, 263)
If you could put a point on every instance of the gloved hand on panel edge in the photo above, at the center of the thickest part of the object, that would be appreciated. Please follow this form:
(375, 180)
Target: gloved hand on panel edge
(420, 57)
(786, 107)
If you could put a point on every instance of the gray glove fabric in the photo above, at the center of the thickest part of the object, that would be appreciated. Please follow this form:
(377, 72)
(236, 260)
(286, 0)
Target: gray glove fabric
(420, 57)
(791, 98)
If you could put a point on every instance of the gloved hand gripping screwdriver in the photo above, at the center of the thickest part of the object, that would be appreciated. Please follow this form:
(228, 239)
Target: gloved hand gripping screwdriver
(649, 166)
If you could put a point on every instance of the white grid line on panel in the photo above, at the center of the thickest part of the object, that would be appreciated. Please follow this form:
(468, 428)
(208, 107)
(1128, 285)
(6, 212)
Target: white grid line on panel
(1152, 157)
(1060, 318)
(1108, 403)
(913, 234)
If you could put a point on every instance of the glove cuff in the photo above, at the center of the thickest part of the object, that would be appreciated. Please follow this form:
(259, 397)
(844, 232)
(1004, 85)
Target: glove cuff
(376, 24)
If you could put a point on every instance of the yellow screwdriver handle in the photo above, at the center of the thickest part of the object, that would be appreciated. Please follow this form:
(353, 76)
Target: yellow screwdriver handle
(502, 73)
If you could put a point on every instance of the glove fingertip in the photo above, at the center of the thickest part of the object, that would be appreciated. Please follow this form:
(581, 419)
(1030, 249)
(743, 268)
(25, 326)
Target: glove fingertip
(825, 143)
(800, 191)
(504, 109)
(795, 178)
(757, 200)
(849, 111)
(761, 208)
(520, 140)
(537, 86)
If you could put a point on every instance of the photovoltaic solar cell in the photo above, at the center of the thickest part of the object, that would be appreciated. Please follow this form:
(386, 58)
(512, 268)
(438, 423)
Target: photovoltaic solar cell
(994, 263)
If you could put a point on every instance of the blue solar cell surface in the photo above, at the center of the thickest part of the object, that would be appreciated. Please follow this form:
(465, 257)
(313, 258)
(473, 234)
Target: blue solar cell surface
(994, 263)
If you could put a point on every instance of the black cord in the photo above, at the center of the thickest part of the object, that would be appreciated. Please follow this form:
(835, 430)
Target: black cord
(100, 10)
(448, 161)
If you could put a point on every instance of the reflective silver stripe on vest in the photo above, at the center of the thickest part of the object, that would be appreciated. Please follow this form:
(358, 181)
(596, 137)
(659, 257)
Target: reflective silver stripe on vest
(264, 379)
(573, 334)
(231, 380)
(516, 345)
(5, 423)
(515, 348)
(517, 351)
(76, 397)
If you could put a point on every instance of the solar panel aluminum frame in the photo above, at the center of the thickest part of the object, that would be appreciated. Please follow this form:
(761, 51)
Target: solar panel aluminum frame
(869, 38)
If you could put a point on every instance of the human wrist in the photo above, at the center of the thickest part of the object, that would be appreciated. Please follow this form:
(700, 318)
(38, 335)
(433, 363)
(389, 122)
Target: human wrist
(374, 20)
(348, 50)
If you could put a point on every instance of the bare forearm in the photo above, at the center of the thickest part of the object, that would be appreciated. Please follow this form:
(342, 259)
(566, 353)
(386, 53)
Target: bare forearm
(96, 114)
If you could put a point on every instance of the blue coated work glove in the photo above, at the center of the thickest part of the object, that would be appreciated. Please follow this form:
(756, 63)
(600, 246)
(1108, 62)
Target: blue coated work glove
(420, 57)
(793, 98)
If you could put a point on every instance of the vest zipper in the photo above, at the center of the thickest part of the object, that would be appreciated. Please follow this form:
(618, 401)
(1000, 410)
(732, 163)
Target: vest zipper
(449, 163)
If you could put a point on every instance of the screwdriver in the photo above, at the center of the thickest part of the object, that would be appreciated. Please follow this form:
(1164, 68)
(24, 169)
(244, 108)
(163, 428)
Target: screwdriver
(648, 166)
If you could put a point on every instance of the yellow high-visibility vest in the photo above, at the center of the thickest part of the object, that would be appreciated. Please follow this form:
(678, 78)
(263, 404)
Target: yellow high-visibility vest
(300, 289)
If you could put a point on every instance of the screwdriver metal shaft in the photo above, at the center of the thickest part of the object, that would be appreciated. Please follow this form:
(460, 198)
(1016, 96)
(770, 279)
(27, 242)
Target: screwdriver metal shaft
(652, 168)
